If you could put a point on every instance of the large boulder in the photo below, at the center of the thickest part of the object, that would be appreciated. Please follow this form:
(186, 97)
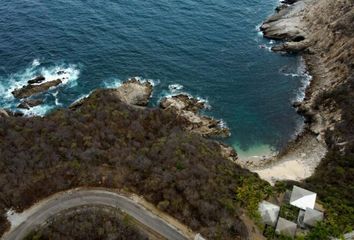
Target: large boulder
(29, 103)
(29, 90)
(292, 47)
(135, 92)
(182, 102)
(186, 108)
(228, 152)
(286, 24)
(37, 79)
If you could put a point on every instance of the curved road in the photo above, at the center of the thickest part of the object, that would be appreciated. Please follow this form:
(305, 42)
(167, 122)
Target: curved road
(75, 198)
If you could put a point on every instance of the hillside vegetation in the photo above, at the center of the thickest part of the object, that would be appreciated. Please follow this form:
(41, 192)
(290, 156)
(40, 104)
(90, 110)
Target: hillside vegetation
(89, 222)
(102, 141)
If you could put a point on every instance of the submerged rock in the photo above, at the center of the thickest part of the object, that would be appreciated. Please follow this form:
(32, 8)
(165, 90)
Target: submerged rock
(187, 109)
(135, 92)
(29, 90)
(289, 1)
(37, 79)
(28, 103)
(61, 72)
(17, 114)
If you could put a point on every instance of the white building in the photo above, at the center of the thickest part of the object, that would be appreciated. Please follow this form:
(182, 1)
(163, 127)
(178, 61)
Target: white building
(286, 227)
(269, 213)
(302, 198)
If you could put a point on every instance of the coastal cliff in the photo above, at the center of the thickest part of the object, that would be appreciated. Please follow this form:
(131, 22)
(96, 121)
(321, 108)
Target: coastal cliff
(112, 139)
(322, 32)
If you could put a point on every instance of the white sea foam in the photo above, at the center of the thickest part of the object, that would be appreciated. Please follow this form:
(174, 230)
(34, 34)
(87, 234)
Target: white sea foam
(83, 96)
(39, 110)
(305, 83)
(175, 88)
(266, 47)
(222, 124)
(205, 101)
(115, 82)
(112, 83)
(258, 27)
(303, 75)
(153, 82)
(55, 95)
(36, 63)
(292, 74)
(68, 73)
(305, 80)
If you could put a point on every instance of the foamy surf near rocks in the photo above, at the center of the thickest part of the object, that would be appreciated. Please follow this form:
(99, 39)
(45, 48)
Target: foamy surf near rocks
(187, 109)
(182, 102)
(135, 92)
(31, 89)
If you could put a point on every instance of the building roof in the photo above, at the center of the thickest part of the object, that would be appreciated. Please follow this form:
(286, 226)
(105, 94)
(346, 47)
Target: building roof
(286, 227)
(269, 212)
(302, 198)
(312, 216)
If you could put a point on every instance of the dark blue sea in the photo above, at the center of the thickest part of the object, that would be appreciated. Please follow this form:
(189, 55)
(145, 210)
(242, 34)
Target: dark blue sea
(210, 49)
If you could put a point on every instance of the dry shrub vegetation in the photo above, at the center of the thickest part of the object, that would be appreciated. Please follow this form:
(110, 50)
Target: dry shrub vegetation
(104, 142)
(90, 222)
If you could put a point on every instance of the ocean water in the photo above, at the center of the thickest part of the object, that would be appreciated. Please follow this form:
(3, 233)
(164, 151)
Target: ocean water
(210, 49)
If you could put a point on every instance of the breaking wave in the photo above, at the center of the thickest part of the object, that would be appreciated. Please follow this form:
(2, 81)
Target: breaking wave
(68, 73)
(116, 82)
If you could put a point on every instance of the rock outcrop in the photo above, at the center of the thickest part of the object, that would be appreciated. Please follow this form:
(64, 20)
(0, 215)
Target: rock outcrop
(286, 24)
(182, 102)
(324, 36)
(228, 152)
(292, 47)
(31, 89)
(322, 32)
(135, 92)
(187, 108)
(3, 113)
(37, 79)
(29, 103)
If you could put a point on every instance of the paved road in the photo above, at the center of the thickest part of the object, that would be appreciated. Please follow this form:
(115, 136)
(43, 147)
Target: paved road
(66, 200)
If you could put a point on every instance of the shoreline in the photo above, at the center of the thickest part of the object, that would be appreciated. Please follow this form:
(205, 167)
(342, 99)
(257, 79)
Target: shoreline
(300, 157)
(261, 154)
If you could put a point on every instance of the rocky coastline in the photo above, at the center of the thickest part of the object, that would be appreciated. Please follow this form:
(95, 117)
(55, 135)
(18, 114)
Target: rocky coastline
(113, 139)
(137, 93)
(326, 44)
(321, 157)
(187, 108)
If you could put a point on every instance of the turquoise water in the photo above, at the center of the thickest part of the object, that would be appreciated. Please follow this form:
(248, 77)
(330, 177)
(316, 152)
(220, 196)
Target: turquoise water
(211, 48)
